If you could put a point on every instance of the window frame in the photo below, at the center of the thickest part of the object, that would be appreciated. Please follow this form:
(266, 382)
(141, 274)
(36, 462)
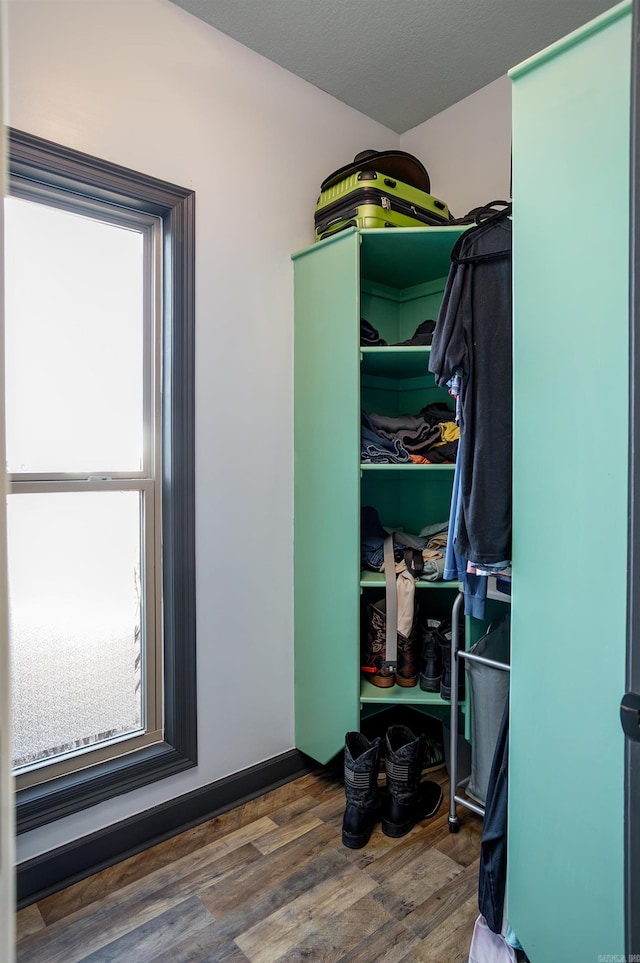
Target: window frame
(44, 164)
(146, 482)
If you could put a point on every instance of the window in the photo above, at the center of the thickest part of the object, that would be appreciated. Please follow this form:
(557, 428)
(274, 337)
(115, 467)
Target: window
(99, 403)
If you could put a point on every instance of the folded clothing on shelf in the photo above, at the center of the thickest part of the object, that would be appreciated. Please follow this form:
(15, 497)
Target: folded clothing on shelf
(376, 450)
(429, 437)
(369, 336)
(422, 554)
(421, 337)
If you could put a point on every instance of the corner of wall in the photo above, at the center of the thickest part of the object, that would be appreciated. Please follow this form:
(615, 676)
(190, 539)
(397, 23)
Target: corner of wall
(467, 148)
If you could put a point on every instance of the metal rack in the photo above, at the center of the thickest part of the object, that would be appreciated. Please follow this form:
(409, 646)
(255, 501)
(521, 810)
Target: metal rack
(458, 654)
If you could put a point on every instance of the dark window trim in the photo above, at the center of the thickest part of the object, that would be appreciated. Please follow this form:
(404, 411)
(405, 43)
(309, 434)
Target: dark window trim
(56, 166)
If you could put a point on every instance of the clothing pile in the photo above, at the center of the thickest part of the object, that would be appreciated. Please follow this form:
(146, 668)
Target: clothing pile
(428, 438)
(422, 556)
(400, 645)
(422, 336)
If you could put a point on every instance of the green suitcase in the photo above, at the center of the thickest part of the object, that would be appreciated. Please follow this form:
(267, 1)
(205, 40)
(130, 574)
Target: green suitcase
(367, 215)
(369, 193)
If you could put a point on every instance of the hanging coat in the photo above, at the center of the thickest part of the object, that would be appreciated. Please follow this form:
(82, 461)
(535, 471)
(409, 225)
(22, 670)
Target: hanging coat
(473, 339)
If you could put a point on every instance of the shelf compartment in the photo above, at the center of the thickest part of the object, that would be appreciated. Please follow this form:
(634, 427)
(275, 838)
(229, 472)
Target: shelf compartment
(406, 500)
(396, 362)
(398, 695)
(405, 257)
(377, 580)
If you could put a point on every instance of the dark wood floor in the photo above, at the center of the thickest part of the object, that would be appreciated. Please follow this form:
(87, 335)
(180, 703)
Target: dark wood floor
(271, 880)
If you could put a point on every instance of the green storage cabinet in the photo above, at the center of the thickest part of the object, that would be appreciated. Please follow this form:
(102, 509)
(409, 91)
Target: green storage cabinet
(571, 226)
(395, 279)
(326, 473)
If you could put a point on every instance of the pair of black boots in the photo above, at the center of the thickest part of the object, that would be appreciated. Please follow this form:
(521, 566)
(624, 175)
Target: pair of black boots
(402, 803)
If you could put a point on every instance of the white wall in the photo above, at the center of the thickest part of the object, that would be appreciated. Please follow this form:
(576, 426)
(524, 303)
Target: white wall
(467, 148)
(144, 84)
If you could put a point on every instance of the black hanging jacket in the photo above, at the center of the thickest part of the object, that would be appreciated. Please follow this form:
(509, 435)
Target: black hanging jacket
(473, 335)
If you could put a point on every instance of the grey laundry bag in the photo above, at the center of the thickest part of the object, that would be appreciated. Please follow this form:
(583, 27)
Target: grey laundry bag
(489, 690)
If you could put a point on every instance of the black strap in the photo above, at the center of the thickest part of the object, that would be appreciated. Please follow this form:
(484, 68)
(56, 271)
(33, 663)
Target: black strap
(488, 210)
(414, 561)
(391, 606)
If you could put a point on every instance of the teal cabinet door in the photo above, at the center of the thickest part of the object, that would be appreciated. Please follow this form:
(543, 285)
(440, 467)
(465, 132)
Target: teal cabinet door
(570, 241)
(326, 494)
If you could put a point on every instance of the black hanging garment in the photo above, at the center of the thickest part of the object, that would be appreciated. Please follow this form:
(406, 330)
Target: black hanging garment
(493, 848)
(473, 340)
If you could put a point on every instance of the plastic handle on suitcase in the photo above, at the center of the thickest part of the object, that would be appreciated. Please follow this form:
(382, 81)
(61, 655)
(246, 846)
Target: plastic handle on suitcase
(340, 226)
(344, 216)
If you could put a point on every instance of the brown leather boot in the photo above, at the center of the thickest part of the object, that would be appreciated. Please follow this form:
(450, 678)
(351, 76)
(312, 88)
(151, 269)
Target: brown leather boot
(373, 664)
(407, 667)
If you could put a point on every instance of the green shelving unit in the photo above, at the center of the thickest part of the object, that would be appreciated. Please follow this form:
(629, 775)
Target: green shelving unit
(394, 279)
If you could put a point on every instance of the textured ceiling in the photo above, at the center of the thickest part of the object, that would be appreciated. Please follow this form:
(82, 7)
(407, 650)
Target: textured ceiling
(398, 61)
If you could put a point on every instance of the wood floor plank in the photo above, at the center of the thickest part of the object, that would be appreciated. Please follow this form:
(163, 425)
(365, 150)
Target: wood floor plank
(282, 835)
(392, 855)
(382, 851)
(95, 887)
(313, 853)
(231, 953)
(427, 916)
(330, 809)
(212, 861)
(378, 846)
(65, 942)
(279, 886)
(414, 882)
(300, 805)
(205, 872)
(253, 899)
(136, 867)
(195, 948)
(451, 940)
(119, 913)
(464, 845)
(342, 935)
(28, 921)
(205, 946)
(131, 870)
(321, 782)
(143, 944)
(289, 926)
(389, 944)
(197, 873)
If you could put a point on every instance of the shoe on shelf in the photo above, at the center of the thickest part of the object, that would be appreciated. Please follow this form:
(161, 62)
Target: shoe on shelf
(373, 663)
(444, 642)
(430, 660)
